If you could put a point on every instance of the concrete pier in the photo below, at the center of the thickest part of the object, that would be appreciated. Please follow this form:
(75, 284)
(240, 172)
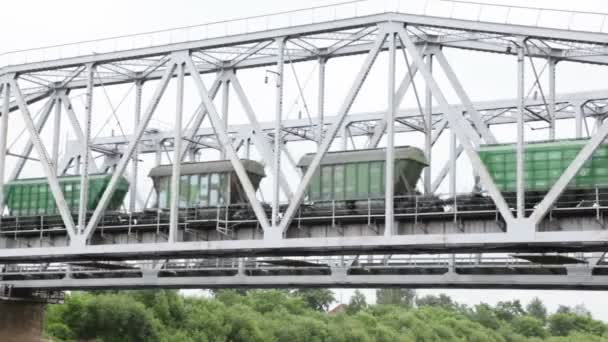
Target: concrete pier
(21, 320)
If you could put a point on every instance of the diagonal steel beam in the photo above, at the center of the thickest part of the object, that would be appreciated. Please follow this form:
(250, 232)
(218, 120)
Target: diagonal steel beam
(260, 140)
(581, 158)
(200, 115)
(403, 88)
(332, 132)
(29, 146)
(463, 130)
(445, 170)
(124, 160)
(481, 126)
(45, 161)
(225, 140)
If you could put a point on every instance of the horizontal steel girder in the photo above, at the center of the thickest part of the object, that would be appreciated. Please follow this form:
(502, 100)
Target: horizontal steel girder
(489, 111)
(565, 241)
(470, 35)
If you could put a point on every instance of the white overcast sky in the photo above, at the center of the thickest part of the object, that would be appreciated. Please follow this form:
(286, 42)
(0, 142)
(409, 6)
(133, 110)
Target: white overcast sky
(34, 23)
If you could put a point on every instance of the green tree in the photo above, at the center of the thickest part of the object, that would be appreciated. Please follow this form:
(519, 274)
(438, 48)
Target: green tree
(105, 317)
(396, 296)
(509, 310)
(563, 324)
(485, 315)
(442, 300)
(357, 303)
(316, 299)
(529, 326)
(537, 309)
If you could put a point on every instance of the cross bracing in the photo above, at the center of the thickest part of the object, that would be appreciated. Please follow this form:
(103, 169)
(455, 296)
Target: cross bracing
(413, 47)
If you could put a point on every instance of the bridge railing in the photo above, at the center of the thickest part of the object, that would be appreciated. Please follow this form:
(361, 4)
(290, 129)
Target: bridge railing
(454, 9)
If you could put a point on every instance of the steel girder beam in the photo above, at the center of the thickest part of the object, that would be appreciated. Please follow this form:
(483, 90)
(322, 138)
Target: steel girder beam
(480, 125)
(333, 131)
(560, 185)
(76, 128)
(86, 143)
(200, 115)
(389, 196)
(221, 132)
(334, 280)
(438, 22)
(177, 154)
(407, 81)
(557, 241)
(29, 146)
(139, 131)
(464, 131)
(260, 139)
(6, 91)
(487, 108)
(45, 161)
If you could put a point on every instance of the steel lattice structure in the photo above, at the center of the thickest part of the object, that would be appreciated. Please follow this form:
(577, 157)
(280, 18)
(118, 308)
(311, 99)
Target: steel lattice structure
(72, 252)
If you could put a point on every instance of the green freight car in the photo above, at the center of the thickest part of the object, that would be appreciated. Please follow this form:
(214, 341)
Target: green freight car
(205, 184)
(360, 175)
(545, 162)
(27, 197)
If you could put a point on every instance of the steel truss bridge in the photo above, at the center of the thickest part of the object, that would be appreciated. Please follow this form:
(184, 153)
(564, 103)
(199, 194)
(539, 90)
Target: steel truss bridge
(496, 243)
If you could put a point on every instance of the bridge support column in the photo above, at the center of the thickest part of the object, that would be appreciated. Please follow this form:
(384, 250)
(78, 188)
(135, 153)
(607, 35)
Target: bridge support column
(21, 320)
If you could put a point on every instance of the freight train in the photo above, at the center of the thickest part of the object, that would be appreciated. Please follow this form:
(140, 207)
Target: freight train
(347, 185)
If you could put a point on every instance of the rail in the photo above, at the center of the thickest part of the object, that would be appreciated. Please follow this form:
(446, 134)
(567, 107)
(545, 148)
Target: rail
(453, 9)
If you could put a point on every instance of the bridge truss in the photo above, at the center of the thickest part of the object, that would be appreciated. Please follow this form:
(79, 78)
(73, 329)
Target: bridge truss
(43, 252)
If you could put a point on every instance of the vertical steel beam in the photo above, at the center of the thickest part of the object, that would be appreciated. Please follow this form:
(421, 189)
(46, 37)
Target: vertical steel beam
(428, 121)
(135, 161)
(462, 128)
(579, 117)
(45, 161)
(389, 196)
(454, 153)
(6, 95)
(56, 132)
(552, 64)
(333, 131)
(225, 108)
(86, 146)
(69, 111)
(344, 140)
(277, 132)
(177, 148)
(321, 100)
(128, 154)
(520, 153)
(225, 140)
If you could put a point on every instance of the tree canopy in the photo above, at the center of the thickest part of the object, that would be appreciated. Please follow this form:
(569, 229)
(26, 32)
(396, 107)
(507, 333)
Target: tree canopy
(299, 316)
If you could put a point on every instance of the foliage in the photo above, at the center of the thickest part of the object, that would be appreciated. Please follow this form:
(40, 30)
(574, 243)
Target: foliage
(316, 299)
(395, 296)
(298, 316)
(537, 309)
(357, 303)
